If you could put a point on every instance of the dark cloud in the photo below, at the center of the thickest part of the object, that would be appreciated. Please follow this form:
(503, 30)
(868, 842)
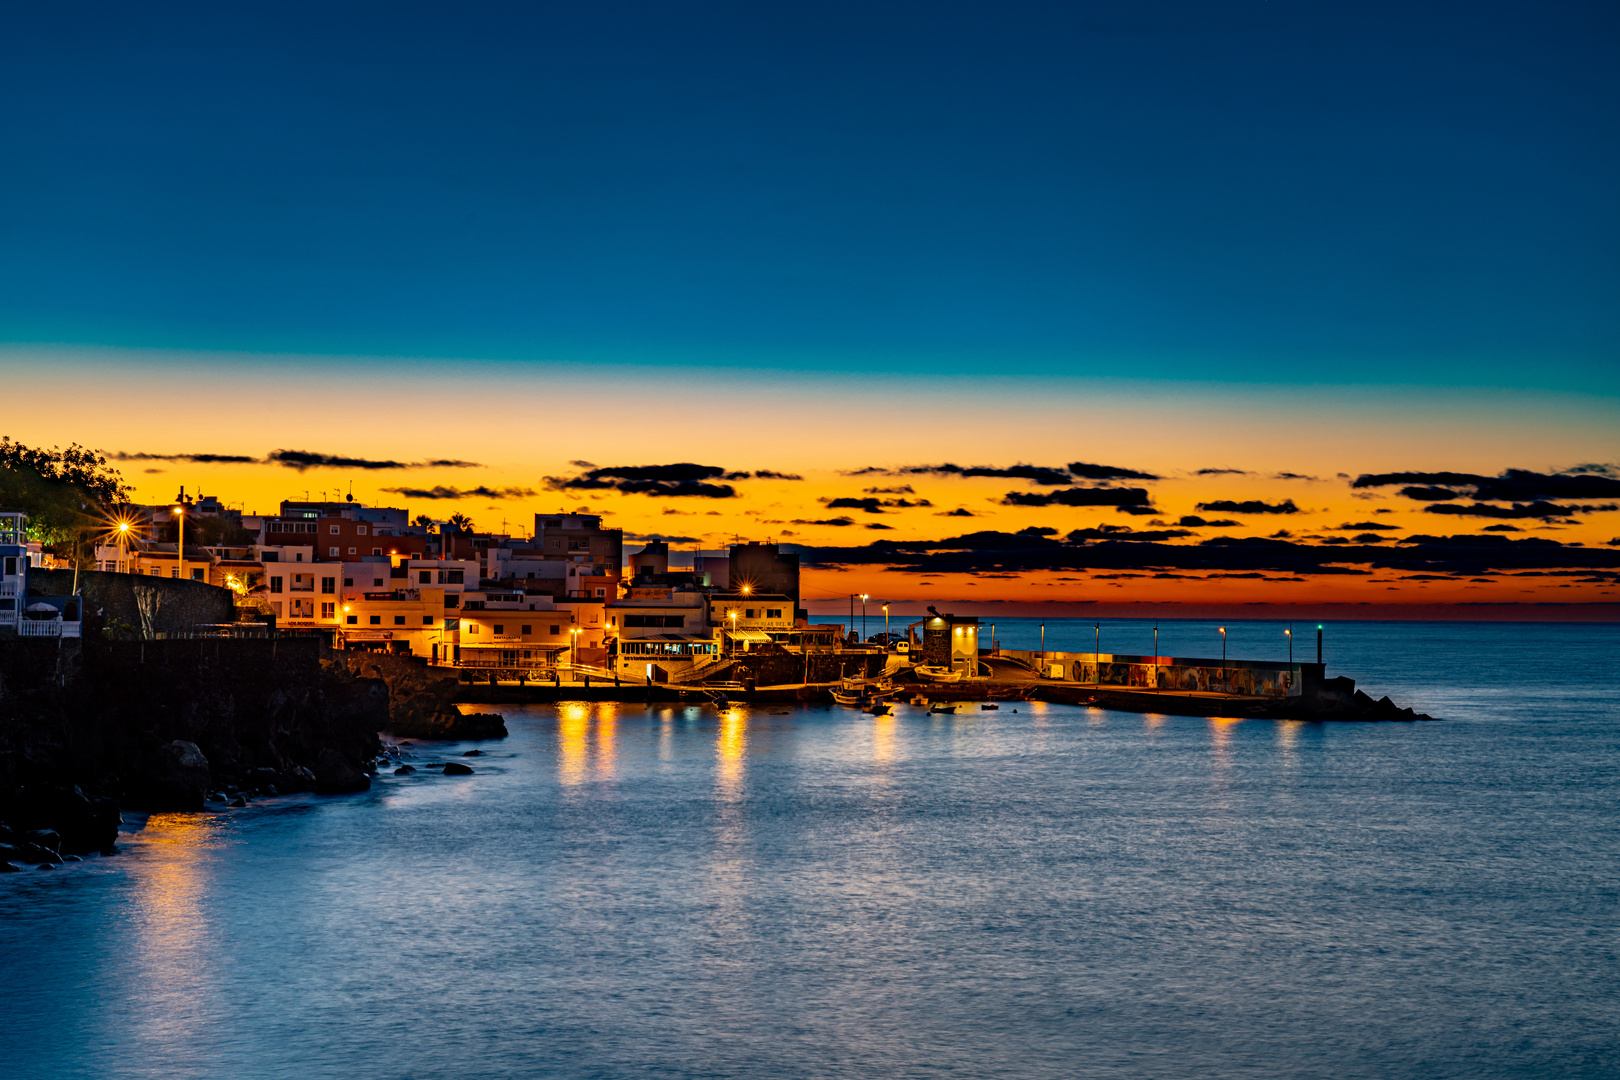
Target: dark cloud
(903, 489)
(771, 474)
(875, 506)
(1514, 485)
(1092, 496)
(1366, 525)
(1193, 521)
(1369, 538)
(958, 512)
(1001, 552)
(195, 459)
(1039, 474)
(837, 521)
(480, 492)
(1222, 472)
(1428, 494)
(1082, 470)
(1281, 534)
(453, 463)
(309, 459)
(1253, 506)
(583, 464)
(1137, 511)
(1292, 476)
(681, 480)
(644, 538)
(1125, 533)
(1503, 528)
(1546, 511)
(879, 525)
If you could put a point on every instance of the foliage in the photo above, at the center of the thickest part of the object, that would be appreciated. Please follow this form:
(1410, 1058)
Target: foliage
(424, 521)
(63, 492)
(462, 522)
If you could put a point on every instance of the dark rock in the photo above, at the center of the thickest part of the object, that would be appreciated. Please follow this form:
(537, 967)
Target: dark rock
(8, 868)
(473, 753)
(48, 839)
(404, 770)
(451, 723)
(71, 858)
(106, 851)
(456, 768)
(83, 824)
(9, 852)
(177, 779)
(238, 801)
(35, 853)
(335, 774)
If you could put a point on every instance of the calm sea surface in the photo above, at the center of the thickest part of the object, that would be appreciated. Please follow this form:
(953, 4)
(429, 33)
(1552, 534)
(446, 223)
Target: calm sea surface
(1058, 892)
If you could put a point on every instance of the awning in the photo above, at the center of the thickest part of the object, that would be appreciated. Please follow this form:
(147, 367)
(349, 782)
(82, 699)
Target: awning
(751, 637)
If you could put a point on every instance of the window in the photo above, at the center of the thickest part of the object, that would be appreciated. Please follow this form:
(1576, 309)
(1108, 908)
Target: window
(349, 581)
(450, 577)
(361, 530)
(601, 592)
(298, 557)
(196, 575)
(451, 601)
(500, 629)
(427, 620)
(328, 584)
(425, 577)
(269, 556)
(352, 551)
(377, 582)
(773, 613)
(748, 613)
(175, 572)
(399, 620)
(275, 584)
(333, 552)
(375, 620)
(555, 630)
(352, 619)
(334, 529)
(328, 610)
(376, 551)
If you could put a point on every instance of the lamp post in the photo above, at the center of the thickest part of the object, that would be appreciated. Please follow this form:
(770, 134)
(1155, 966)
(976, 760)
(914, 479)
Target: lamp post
(886, 642)
(180, 548)
(1318, 643)
(573, 647)
(863, 618)
(732, 615)
(1096, 653)
(1290, 633)
(1223, 650)
(1155, 656)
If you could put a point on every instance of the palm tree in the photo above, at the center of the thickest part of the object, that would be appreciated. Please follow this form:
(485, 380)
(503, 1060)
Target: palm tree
(462, 522)
(423, 520)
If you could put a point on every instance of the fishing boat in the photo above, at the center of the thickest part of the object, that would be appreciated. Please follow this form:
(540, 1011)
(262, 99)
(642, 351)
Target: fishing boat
(989, 706)
(942, 707)
(935, 673)
(847, 699)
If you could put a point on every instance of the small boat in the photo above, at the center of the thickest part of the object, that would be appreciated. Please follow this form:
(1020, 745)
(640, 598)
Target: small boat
(942, 707)
(879, 709)
(989, 706)
(846, 699)
(934, 673)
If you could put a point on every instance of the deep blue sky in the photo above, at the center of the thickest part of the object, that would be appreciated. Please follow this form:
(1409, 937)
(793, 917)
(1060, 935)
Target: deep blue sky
(1341, 192)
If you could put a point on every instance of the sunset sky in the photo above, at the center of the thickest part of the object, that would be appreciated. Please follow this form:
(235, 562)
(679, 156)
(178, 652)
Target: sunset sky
(1242, 279)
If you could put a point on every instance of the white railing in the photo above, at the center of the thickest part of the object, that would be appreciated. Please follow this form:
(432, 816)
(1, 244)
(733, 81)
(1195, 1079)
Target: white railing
(9, 588)
(43, 628)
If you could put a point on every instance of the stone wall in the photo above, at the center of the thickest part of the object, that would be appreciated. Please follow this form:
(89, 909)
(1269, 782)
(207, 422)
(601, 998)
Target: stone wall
(139, 605)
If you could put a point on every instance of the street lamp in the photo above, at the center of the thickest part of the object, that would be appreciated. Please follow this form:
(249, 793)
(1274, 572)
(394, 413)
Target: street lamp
(180, 548)
(886, 641)
(1290, 634)
(863, 617)
(1096, 653)
(1155, 656)
(732, 615)
(1223, 648)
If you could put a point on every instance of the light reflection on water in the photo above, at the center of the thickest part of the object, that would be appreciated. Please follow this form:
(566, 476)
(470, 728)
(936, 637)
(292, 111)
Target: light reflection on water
(670, 890)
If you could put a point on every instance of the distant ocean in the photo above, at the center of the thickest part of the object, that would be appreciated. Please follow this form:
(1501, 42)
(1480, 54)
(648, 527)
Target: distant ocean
(624, 891)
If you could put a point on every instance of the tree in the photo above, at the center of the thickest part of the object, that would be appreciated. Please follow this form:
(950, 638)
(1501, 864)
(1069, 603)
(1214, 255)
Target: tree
(462, 522)
(63, 492)
(424, 521)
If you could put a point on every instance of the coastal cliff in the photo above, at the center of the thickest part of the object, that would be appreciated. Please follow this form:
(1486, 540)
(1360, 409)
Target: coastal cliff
(162, 725)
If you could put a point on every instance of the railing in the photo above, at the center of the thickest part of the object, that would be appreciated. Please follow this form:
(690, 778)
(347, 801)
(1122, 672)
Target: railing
(47, 628)
(9, 588)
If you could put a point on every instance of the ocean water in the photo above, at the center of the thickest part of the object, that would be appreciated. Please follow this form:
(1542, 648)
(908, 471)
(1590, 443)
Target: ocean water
(629, 891)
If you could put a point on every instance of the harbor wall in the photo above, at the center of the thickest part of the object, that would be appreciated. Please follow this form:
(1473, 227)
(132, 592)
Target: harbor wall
(1252, 678)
